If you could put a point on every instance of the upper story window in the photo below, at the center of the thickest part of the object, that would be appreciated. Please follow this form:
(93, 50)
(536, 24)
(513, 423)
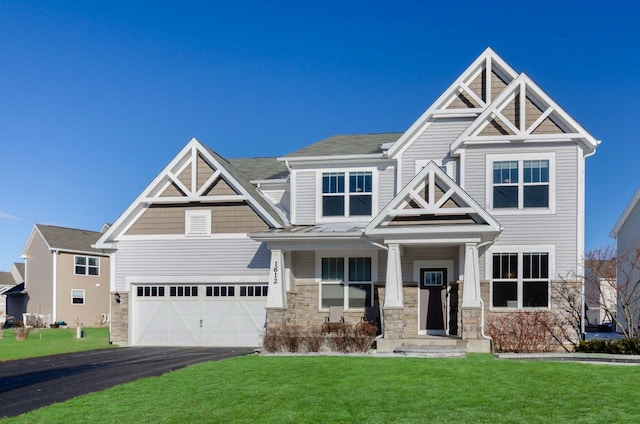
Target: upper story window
(86, 265)
(521, 182)
(347, 194)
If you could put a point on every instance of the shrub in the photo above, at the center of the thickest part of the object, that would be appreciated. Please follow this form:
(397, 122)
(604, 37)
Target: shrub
(287, 338)
(622, 346)
(291, 337)
(523, 331)
(21, 331)
(313, 338)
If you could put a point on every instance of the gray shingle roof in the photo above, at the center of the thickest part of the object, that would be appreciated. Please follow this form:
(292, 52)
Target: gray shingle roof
(339, 145)
(244, 181)
(71, 239)
(6, 279)
(260, 168)
(20, 267)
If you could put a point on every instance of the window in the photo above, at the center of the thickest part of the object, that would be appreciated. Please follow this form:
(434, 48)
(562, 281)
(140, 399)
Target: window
(520, 280)
(253, 291)
(150, 291)
(183, 291)
(220, 291)
(86, 265)
(352, 199)
(77, 297)
(521, 182)
(198, 222)
(356, 291)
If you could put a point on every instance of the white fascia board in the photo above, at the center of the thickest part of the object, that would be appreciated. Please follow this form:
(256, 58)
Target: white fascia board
(625, 214)
(333, 245)
(448, 229)
(333, 160)
(304, 236)
(404, 140)
(116, 230)
(78, 252)
(32, 235)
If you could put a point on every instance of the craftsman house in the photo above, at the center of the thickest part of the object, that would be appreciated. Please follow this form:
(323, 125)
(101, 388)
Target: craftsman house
(66, 280)
(476, 209)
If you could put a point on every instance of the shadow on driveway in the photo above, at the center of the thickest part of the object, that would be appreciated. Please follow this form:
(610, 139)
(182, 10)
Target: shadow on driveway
(29, 384)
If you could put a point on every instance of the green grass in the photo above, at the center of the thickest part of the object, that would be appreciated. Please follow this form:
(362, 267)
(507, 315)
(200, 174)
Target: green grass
(342, 389)
(50, 341)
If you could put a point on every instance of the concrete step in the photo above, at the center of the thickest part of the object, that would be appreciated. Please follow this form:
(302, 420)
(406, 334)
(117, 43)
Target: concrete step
(430, 351)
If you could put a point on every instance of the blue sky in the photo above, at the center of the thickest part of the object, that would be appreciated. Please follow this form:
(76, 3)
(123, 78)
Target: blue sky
(97, 97)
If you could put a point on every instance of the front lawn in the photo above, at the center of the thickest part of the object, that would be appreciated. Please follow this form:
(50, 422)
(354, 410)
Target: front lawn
(343, 389)
(50, 341)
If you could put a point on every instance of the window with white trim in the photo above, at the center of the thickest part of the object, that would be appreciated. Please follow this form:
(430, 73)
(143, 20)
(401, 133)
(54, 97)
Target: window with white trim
(523, 182)
(197, 222)
(356, 291)
(77, 297)
(520, 280)
(347, 194)
(86, 265)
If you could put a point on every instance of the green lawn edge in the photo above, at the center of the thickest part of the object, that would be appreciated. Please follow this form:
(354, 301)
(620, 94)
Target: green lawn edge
(346, 389)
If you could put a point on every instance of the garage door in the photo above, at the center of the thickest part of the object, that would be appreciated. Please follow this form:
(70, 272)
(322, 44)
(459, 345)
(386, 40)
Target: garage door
(198, 314)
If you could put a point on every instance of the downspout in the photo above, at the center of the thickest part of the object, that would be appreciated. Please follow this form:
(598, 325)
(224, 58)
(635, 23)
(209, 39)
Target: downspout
(481, 301)
(582, 288)
(54, 309)
(381, 246)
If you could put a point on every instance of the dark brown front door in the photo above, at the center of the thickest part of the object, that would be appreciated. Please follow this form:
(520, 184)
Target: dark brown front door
(433, 288)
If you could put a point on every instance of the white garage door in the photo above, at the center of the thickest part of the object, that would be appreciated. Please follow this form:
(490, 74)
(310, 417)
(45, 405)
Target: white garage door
(198, 314)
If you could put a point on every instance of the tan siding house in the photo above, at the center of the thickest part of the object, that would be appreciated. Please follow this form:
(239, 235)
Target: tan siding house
(66, 279)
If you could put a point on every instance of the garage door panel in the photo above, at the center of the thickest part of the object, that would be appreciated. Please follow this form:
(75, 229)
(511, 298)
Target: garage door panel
(198, 321)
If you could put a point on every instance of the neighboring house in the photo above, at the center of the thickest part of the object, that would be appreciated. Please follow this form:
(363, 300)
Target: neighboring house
(627, 235)
(477, 209)
(13, 301)
(65, 278)
(600, 291)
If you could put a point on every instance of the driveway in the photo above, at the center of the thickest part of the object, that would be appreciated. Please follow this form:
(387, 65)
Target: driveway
(33, 383)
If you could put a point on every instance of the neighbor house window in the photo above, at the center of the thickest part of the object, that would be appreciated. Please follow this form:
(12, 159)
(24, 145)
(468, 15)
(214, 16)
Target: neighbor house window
(354, 291)
(347, 193)
(86, 265)
(520, 280)
(77, 297)
(521, 184)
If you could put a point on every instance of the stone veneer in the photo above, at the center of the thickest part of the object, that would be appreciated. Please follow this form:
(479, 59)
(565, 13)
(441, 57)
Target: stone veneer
(119, 329)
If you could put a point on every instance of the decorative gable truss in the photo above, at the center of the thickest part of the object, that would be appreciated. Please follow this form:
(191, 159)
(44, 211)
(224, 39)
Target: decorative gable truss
(523, 113)
(196, 178)
(432, 203)
(469, 95)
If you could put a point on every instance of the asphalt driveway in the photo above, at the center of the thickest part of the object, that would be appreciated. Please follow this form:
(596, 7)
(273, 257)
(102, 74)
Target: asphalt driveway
(33, 383)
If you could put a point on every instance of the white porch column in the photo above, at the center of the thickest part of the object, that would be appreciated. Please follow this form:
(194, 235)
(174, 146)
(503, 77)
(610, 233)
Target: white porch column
(471, 287)
(276, 297)
(393, 286)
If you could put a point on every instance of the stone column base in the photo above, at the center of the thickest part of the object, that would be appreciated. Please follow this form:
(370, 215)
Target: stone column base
(393, 323)
(275, 317)
(471, 323)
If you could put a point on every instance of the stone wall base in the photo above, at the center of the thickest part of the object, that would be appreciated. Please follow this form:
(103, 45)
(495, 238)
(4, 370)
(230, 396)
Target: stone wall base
(119, 327)
(276, 317)
(471, 323)
(393, 323)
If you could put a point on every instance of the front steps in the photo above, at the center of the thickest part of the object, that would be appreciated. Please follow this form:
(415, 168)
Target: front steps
(424, 346)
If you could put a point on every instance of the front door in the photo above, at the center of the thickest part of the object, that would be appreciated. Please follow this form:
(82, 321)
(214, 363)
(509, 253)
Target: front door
(433, 300)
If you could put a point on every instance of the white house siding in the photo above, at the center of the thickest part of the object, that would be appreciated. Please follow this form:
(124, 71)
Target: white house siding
(559, 229)
(194, 257)
(629, 233)
(386, 185)
(432, 144)
(305, 197)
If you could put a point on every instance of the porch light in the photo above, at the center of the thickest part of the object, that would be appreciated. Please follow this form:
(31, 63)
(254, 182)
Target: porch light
(116, 297)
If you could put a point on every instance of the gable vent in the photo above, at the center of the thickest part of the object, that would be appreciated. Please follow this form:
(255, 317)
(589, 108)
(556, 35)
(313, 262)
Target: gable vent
(198, 222)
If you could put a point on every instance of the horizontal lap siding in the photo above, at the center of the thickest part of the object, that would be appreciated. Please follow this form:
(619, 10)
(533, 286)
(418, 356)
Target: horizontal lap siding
(629, 234)
(305, 207)
(386, 186)
(204, 257)
(559, 229)
(432, 144)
